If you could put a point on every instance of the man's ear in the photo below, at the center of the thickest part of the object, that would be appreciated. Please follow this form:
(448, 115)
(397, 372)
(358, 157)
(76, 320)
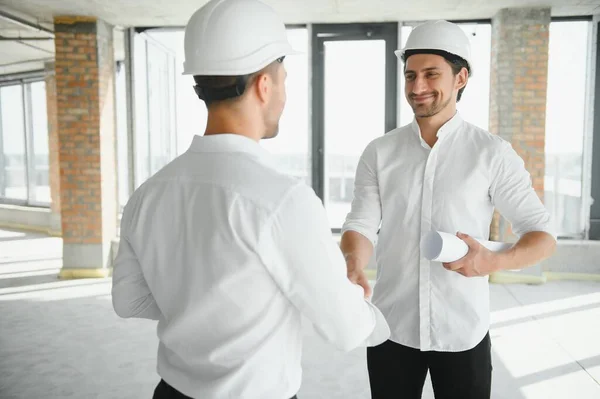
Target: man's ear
(262, 86)
(463, 78)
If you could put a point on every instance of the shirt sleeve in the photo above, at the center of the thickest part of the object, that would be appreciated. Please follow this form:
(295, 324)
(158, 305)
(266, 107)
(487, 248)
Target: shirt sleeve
(365, 212)
(301, 255)
(513, 195)
(131, 296)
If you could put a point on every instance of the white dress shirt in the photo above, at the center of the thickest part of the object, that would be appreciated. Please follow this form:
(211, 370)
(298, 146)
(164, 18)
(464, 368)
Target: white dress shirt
(228, 254)
(406, 188)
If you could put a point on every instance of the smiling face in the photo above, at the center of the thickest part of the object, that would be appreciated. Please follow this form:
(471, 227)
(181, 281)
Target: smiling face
(431, 87)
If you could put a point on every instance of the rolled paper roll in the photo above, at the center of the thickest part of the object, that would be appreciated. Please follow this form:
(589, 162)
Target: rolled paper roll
(438, 246)
(443, 247)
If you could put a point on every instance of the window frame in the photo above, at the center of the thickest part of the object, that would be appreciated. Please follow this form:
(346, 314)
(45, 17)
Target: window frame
(321, 33)
(585, 212)
(24, 80)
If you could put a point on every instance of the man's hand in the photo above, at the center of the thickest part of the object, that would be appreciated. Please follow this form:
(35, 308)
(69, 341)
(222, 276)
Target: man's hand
(479, 261)
(356, 275)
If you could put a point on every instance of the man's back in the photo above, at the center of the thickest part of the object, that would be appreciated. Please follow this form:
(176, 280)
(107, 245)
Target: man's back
(202, 232)
(198, 253)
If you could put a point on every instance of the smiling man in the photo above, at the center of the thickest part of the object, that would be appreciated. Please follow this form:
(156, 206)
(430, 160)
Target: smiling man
(439, 172)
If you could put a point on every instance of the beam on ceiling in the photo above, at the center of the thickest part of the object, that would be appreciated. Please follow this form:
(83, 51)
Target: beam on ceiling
(24, 23)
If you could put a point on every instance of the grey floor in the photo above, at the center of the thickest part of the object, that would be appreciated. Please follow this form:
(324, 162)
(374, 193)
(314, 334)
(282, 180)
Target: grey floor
(60, 339)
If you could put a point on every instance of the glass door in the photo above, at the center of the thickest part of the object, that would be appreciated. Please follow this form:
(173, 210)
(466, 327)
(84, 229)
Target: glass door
(354, 100)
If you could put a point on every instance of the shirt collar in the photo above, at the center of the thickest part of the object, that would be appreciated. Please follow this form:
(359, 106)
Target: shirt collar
(231, 143)
(447, 128)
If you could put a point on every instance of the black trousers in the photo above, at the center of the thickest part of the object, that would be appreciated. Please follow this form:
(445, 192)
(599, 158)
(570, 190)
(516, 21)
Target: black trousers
(165, 391)
(399, 372)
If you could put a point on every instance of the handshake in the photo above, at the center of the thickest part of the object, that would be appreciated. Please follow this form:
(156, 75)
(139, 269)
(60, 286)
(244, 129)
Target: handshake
(356, 273)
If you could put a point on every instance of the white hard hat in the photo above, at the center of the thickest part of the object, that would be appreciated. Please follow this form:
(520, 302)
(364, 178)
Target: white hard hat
(442, 36)
(233, 38)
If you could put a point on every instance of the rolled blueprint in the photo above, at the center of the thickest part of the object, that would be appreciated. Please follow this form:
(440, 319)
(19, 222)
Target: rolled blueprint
(438, 246)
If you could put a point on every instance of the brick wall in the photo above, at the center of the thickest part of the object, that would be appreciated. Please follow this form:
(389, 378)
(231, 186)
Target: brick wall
(519, 76)
(54, 169)
(85, 113)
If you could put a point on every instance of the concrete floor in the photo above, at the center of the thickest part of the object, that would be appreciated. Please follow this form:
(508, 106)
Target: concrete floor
(61, 339)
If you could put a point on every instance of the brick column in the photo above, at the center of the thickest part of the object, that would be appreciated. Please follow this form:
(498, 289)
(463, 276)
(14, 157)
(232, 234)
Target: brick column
(86, 140)
(54, 171)
(519, 77)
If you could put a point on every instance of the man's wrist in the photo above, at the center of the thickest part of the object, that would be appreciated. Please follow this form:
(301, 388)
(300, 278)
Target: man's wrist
(503, 260)
(353, 262)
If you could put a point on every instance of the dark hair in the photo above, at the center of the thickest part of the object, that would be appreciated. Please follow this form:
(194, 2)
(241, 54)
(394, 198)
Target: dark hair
(456, 63)
(212, 89)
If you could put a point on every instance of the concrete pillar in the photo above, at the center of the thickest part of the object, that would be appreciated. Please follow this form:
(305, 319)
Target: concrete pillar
(54, 166)
(519, 79)
(85, 88)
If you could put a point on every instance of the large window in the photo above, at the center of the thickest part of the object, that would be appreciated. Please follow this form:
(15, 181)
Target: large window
(38, 148)
(565, 125)
(122, 135)
(190, 113)
(474, 104)
(347, 115)
(24, 164)
(291, 147)
(167, 113)
(154, 106)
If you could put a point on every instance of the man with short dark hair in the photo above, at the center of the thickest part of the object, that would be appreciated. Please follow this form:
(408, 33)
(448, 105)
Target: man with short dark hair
(438, 173)
(223, 250)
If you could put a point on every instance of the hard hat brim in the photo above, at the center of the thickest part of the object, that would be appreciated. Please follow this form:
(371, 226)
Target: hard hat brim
(400, 53)
(224, 68)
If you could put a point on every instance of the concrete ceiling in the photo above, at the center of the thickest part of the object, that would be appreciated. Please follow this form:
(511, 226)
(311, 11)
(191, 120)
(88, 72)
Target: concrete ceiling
(23, 54)
(23, 48)
(27, 43)
(176, 13)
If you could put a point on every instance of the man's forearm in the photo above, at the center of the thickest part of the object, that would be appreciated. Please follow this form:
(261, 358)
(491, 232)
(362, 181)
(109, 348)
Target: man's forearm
(357, 249)
(532, 248)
